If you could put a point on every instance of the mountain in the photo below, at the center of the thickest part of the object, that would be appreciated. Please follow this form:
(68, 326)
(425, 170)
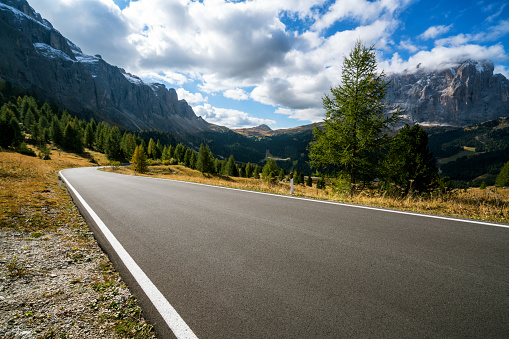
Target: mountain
(37, 58)
(466, 94)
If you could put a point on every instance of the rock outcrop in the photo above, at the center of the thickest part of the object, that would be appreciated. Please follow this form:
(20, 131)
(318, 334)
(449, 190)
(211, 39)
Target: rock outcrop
(459, 96)
(36, 57)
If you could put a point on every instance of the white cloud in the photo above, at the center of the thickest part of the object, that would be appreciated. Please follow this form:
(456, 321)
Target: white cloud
(362, 10)
(309, 114)
(236, 94)
(169, 77)
(96, 26)
(442, 57)
(499, 69)
(409, 46)
(191, 98)
(229, 117)
(435, 31)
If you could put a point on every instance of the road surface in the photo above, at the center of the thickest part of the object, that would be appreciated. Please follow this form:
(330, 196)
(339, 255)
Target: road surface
(236, 264)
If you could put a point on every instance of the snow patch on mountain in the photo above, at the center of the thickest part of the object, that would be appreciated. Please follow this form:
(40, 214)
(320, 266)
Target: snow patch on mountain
(51, 52)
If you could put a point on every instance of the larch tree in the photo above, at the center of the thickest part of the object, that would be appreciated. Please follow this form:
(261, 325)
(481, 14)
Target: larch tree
(139, 160)
(356, 124)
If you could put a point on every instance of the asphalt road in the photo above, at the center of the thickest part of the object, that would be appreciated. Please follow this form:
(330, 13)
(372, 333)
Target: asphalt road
(236, 264)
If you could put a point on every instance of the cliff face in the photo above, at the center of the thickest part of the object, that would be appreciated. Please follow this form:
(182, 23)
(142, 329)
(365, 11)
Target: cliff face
(36, 57)
(464, 95)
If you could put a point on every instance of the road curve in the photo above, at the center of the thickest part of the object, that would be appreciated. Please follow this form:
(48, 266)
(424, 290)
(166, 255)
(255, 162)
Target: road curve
(238, 264)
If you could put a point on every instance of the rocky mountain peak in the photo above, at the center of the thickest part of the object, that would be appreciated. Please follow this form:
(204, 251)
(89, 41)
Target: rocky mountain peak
(262, 128)
(462, 95)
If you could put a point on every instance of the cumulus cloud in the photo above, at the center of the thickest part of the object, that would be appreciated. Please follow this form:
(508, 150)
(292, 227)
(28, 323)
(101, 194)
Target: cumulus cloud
(362, 10)
(435, 31)
(191, 98)
(309, 114)
(442, 57)
(96, 26)
(229, 117)
(236, 94)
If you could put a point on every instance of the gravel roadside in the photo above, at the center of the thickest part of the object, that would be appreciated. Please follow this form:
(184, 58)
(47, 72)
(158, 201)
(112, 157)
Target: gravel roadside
(58, 283)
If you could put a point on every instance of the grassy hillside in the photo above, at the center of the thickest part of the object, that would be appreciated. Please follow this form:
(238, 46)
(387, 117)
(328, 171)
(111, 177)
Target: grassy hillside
(471, 155)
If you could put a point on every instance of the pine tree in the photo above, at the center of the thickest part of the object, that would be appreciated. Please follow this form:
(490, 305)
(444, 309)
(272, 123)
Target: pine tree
(192, 163)
(11, 134)
(151, 151)
(113, 151)
(270, 170)
(231, 167)
(249, 170)
(503, 177)
(159, 150)
(281, 175)
(56, 131)
(204, 161)
(89, 136)
(139, 160)
(409, 164)
(355, 126)
(72, 140)
(309, 181)
(256, 172)
(180, 152)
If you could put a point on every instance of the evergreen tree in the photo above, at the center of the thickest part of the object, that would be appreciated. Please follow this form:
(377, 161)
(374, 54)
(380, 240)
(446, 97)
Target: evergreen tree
(356, 126)
(256, 172)
(89, 136)
(187, 157)
(194, 158)
(409, 163)
(270, 170)
(10, 132)
(165, 154)
(249, 170)
(309, 181)
(159, 150)
(281, 175)
(139, 160)
(231, 167)
(113, 151)
(171, 152)
(151, 151)
(180, 152)
(72, 140)
(56, 131)
(503, 177)
(204, 161)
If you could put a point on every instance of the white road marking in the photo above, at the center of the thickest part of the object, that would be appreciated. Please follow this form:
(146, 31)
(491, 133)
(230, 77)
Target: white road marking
(169, 314)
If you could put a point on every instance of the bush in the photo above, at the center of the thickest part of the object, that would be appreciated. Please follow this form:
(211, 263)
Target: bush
(114, 165)
(23, 149)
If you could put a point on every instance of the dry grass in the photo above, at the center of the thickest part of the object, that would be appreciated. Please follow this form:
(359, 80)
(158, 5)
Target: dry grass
(491, 204)
(29, 192)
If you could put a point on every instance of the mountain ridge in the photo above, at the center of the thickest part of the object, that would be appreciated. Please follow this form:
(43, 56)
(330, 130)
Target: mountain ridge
(37, 58)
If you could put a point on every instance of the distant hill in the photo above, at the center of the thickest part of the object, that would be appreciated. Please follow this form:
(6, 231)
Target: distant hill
(473, 154)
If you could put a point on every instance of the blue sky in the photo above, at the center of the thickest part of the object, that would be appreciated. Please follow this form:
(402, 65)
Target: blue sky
(244, 63)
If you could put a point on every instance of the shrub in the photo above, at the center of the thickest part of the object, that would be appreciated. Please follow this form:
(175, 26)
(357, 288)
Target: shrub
(23, 149)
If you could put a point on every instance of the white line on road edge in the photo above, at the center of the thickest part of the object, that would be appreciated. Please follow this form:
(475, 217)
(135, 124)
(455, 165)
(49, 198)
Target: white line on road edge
(169, 314)
(471, 221)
